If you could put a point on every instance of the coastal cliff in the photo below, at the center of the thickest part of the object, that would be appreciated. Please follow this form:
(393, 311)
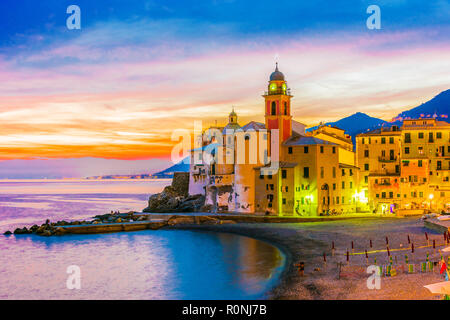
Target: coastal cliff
(176, 198)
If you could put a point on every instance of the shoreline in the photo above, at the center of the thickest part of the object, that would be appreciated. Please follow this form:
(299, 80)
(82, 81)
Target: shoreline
(288, 257)
(306, 242)
(309, 241)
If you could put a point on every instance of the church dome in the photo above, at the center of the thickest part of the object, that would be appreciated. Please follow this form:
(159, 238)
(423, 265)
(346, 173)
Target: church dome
(277, 75)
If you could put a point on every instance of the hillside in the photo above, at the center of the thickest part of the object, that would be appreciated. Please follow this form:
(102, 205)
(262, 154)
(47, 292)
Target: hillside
(438, 107)
(356, 123)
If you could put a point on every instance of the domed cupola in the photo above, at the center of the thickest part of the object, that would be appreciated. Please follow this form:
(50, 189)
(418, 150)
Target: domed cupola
(277, 75)
(232, 123)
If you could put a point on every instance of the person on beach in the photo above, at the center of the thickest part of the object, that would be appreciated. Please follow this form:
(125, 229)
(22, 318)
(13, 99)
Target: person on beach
(301, 268)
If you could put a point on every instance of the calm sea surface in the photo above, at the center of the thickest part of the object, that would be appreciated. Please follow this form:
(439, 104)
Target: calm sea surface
(162, 264)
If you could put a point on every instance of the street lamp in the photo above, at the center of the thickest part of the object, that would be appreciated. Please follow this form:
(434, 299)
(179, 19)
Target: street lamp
(431, 196)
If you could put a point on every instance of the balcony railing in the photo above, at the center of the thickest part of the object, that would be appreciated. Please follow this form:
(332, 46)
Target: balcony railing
(387, 159)
(199, 170)
(221, 179)
(278, 91)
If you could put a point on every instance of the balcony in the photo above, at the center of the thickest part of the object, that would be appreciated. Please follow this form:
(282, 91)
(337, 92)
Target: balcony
(387, 159)
(221, 180)
(199, 170)
(278, 91)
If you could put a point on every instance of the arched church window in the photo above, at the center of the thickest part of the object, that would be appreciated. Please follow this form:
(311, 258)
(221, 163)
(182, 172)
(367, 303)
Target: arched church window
(285, 108)
(274, 108)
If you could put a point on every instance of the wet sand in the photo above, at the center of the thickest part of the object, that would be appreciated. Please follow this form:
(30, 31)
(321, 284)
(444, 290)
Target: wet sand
(308, 241)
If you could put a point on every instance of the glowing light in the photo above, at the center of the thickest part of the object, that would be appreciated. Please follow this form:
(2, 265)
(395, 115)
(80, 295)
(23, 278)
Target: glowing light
(431, 196)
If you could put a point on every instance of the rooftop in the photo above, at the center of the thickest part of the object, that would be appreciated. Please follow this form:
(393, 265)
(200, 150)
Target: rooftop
(296, 140)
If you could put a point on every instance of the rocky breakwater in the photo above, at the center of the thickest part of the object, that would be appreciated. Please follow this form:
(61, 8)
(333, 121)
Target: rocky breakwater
(114, 222)
(170, 201)
(63, 227)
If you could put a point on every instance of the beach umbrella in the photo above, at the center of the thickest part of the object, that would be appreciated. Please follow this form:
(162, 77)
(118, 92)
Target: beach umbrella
(439, 288)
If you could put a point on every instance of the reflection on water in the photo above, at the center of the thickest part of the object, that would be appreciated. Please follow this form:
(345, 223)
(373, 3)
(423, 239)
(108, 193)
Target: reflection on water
(30, 201)
(159, 264)
(82, 186)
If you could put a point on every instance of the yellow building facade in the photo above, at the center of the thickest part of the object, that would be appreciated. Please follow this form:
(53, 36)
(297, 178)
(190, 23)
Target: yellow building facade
(405, 169)
(277, 168)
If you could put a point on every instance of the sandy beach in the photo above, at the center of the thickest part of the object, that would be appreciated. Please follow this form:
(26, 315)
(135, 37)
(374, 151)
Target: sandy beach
(308, 242)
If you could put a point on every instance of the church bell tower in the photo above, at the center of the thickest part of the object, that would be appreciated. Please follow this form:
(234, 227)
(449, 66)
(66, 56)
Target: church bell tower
(278, 105)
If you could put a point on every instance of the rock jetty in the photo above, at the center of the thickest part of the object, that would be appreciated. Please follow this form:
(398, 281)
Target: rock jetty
(60, 227)
(175, 198)
(115, 222)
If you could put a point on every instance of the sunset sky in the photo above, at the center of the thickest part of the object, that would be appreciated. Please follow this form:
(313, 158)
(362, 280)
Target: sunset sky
(105, 99)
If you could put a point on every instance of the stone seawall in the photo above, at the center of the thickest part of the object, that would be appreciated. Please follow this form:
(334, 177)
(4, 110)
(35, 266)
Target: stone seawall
(176, 198)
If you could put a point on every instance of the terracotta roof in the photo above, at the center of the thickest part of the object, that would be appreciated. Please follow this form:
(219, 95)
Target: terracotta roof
(304, 141)
(253, 125)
